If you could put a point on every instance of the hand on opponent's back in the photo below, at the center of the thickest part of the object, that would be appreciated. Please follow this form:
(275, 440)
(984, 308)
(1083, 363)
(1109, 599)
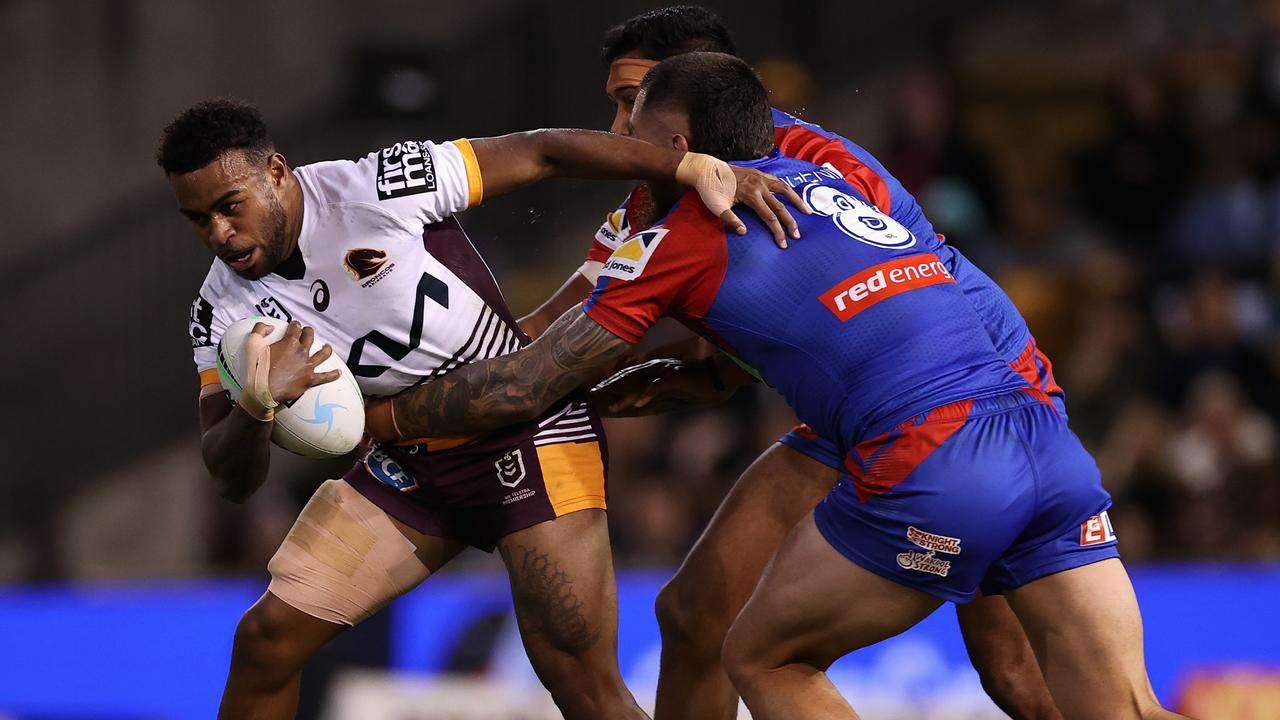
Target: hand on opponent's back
(721, 186)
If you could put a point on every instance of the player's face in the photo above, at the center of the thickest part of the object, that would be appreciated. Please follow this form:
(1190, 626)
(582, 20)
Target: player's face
(624, 100)
(233, 203)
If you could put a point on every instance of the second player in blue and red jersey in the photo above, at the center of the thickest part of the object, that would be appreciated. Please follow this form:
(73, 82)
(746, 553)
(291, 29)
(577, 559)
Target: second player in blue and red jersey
(877, 187)
(865, 330)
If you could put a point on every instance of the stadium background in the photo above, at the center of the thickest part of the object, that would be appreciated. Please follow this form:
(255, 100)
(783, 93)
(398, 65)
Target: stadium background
(1116, 166)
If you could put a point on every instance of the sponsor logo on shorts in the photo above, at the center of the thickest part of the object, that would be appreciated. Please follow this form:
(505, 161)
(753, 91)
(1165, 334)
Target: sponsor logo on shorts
(924, 562)
(405, 168)
(510, 468)
(629, 260)
(1097, 530)
(932, 544)
(937, 543)
(881, 282)
(388, 471)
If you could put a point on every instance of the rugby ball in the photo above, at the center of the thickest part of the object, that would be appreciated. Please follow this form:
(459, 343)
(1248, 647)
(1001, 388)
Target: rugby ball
(326, 421)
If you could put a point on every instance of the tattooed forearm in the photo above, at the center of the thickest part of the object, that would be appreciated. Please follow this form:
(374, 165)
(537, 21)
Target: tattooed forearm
(512, 388)
(546, 602)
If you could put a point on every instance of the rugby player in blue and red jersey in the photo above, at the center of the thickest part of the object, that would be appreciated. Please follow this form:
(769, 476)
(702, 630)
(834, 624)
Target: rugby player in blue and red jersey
(697, 605)
(959, 473)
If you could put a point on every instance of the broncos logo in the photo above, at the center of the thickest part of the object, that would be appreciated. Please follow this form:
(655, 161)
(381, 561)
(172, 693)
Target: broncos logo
(323, 414)
(364, 262)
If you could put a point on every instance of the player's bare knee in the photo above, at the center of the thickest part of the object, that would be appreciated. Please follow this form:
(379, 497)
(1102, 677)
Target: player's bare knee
(585, 685)
(1009, 685)
(579, 691)
(999, 680)
(263, 643)
(688, 618)
(742, 658)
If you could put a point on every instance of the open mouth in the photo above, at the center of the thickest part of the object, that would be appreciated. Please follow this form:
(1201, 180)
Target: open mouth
(240, 261)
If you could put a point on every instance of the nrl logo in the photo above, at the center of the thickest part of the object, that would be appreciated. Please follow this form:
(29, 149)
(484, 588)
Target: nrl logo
(510, 468)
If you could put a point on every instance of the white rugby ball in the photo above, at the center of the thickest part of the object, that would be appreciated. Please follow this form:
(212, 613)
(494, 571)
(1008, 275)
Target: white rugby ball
(326, 421)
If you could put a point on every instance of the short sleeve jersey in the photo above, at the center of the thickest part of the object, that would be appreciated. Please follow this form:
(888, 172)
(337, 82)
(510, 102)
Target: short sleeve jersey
(860, 325)
(807, 141)
(387, 277)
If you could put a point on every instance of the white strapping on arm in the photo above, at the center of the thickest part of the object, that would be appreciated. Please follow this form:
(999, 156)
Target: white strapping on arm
(591, 270)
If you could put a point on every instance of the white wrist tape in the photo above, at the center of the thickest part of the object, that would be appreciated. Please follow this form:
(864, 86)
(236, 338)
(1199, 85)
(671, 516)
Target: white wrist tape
(711, 177)
(591, 270)
(255, 394)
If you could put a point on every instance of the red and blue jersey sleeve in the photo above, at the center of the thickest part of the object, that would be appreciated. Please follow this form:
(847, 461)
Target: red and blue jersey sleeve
(671, 270)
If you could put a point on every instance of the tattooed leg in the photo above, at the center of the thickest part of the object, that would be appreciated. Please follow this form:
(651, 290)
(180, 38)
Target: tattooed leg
(567, 609)
(550, 605)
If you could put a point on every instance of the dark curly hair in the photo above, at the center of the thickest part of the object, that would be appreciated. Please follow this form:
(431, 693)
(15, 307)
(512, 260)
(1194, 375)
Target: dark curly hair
(727, 105)
(662, 33)
(207, 129)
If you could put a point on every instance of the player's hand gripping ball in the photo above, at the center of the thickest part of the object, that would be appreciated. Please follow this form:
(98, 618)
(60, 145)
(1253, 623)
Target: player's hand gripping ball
(290, 375)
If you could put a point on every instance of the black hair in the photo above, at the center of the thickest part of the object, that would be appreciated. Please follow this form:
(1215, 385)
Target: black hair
(206, 130)
(727, 105)
(665, 32)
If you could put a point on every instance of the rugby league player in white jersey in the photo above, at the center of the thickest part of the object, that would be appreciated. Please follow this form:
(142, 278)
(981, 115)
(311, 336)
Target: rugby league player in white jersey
(367, 254)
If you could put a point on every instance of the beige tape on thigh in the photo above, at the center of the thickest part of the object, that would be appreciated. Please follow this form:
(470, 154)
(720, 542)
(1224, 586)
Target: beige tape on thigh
(344, 559)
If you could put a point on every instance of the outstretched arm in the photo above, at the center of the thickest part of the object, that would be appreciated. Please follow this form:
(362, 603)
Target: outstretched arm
(510, 162)
(503, 390)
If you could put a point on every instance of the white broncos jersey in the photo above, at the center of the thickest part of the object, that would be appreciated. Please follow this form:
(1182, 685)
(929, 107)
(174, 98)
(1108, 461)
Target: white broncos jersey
(387, 277)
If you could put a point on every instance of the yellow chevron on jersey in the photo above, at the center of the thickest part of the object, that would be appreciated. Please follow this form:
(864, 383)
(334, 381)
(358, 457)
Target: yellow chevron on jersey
(629, 261)
(630, 250)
